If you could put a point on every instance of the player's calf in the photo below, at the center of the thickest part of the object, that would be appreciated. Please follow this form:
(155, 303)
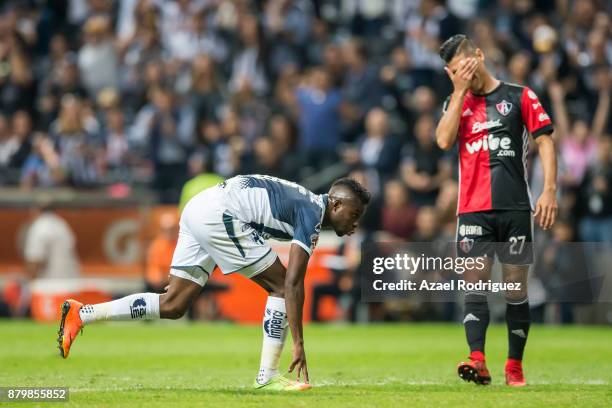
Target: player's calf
(518, 320)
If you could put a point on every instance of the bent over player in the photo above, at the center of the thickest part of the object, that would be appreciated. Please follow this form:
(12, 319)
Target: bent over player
(491, 121)
(227, 226)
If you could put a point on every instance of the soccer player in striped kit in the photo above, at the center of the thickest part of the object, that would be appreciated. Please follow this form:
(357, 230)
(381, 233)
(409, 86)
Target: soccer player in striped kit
(491, 120)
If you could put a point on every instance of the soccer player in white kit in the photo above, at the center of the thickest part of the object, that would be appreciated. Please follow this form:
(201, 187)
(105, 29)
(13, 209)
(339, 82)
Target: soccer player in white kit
(228, 226)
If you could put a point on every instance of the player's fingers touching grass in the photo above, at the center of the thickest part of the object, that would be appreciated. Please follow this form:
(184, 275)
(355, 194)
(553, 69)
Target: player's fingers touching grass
(299, 363)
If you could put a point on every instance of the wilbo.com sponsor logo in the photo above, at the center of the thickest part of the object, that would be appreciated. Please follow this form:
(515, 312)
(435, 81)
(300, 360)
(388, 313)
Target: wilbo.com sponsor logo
(493, 143)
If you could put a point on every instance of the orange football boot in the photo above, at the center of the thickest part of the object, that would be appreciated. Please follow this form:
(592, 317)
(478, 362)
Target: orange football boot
(70, 325)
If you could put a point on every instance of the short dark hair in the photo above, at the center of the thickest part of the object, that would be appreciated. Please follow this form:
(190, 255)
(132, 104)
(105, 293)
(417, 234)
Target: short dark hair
(455, 45)
(355, 187)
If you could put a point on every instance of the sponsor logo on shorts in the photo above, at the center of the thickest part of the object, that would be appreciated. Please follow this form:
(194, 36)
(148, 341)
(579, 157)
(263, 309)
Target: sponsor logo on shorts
(138, 310)
(273, 323)
(470, 230)
(257, 238)
(466, 244)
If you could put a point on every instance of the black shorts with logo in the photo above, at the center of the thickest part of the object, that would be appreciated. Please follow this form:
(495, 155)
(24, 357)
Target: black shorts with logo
(507, 233)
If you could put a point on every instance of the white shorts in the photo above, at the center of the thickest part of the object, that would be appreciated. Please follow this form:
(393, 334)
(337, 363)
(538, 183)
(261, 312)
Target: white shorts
(210, 235)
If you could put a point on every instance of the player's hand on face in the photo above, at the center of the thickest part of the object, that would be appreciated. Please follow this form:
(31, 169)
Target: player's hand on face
(299, 362)
(462, 77)
(546, 210)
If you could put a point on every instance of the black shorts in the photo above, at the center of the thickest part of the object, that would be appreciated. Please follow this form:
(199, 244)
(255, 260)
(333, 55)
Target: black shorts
(507, 233)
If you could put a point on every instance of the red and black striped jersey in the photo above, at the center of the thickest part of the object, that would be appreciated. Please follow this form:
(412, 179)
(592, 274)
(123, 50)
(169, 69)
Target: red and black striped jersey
(493, 145)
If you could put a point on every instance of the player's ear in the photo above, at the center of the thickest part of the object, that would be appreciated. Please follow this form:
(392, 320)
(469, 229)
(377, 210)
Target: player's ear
(479, 55)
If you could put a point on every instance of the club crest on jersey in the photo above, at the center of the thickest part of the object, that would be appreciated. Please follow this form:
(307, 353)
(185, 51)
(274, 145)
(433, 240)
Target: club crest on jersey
(466, 244)
(504, 107)
(138, 309)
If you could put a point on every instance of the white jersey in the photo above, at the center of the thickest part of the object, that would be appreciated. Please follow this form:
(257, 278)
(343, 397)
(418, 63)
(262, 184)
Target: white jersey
(276, 208)
(228, 225)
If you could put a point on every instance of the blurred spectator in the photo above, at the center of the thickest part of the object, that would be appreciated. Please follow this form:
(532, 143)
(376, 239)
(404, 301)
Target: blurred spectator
(250, 64)
(345, 286)
(15, 146)
(117, 150)
(424, 167)
(159, 254)
(362, 89)
(398, 215)
(578, 141)
(76, 138)
(427, 225)
(179, 27)
(17, 83)
(378, 151)
(287, 26)
(282, 134)
(42, 168)
(98, 60)
(595, 195)
(170, 133)
(399, 79)
(266, 159)
(519, 68)
(426, 28)
(50, 247)
(319, 119)
(64, 80)
(206, 96)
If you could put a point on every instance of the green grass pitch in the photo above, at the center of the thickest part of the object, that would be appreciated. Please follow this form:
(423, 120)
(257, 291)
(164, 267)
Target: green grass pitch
(210, 365)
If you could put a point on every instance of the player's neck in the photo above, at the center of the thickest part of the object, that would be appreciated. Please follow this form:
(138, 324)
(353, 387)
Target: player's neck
(489, 84)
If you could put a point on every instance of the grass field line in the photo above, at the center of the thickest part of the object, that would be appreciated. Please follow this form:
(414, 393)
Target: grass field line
(322, 384)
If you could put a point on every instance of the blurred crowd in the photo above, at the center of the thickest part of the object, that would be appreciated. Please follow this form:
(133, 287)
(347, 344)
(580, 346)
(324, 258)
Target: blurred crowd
(151, 93)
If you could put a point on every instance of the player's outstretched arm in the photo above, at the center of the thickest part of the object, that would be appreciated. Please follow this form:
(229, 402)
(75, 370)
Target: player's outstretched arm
(546, 206)
(447, 129)
(294, 303)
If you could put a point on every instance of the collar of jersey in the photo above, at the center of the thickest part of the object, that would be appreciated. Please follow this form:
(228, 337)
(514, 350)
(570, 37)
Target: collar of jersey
(324, 200)
(490, 92)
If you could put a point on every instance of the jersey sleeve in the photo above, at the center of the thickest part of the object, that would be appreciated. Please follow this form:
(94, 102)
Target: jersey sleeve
(307, 228)
(535, 118)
